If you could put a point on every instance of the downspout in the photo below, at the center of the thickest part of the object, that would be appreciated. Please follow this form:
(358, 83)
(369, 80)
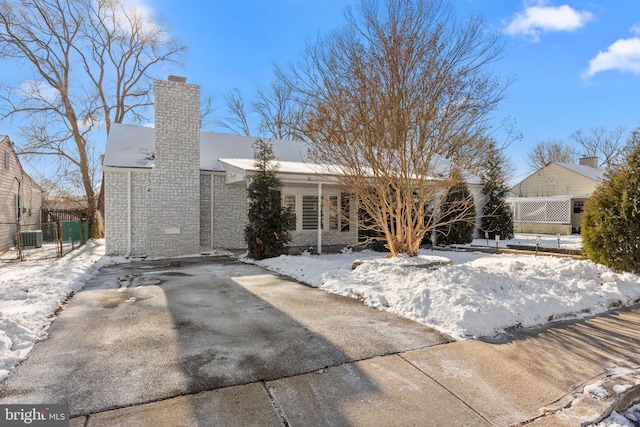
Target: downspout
(319, 218)
(129, 228)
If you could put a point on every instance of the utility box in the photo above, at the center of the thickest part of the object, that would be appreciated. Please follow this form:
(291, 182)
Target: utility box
(31, 238)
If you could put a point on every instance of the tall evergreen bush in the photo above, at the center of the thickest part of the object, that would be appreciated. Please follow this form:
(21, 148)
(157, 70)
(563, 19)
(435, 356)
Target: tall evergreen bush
(497, 218)
(458, 216)
(611, 218)
(267, 231)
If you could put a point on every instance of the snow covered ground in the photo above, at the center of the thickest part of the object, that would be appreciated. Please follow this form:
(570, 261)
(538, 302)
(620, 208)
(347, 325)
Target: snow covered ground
(30, 293)
(480, 294)
(629, 418)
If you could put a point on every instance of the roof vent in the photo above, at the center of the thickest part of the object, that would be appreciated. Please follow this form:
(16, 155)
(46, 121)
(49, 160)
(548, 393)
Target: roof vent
(178, 79)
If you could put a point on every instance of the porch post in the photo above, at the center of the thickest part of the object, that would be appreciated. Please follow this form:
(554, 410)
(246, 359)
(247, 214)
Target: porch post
(319, 217)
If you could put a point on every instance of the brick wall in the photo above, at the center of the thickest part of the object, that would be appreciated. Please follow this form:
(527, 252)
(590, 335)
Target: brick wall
(230, 213)
(173, 211)
(116, 186)
(115, 212)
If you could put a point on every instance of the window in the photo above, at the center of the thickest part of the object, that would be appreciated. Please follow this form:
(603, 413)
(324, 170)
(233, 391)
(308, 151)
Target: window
(309, 212)
(7, 160)
(334, 208)
(345, 205)
(333, 212)
(577, 206)
(289, 201)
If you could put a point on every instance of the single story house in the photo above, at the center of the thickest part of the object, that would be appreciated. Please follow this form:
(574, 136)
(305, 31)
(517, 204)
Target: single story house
(551, 200)
(20, 196)
(173, 190)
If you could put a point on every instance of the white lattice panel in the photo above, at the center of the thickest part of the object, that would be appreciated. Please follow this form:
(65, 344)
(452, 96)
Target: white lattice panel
(532, 210)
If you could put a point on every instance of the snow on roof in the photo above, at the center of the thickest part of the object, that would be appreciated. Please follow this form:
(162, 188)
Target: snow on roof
(284, 167)
(584, 170)
(134, 147)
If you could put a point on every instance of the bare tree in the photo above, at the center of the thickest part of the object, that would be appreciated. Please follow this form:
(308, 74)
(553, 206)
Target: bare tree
(550, 151)
(280, 116)
(207, 111)
(274, 107)
(605, 144)
(90, 63)
(395, 102)
(237, 119)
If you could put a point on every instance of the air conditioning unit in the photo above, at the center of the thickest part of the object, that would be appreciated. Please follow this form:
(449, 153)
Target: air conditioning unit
(31, 238)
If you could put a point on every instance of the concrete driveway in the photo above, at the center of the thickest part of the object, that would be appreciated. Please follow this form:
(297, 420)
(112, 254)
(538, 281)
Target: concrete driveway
(151, 331)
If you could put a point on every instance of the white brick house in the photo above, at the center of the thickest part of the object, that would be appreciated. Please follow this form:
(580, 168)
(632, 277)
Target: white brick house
(173, 190)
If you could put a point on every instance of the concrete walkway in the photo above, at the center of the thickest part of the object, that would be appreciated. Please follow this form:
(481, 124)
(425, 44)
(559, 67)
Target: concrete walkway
(210, 341)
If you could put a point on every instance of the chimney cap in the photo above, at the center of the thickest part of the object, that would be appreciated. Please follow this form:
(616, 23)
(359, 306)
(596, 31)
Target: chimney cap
(178, 79)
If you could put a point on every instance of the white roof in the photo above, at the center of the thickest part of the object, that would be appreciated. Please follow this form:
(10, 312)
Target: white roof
(134, 147)
(584, 170)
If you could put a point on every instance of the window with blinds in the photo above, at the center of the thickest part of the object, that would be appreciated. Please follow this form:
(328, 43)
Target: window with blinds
(289, 201)
(309, 212)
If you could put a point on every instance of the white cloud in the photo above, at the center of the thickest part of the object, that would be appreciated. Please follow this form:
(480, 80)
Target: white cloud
(623, 55)
(636, 29)
(38, 89)
(537, 19)
(137, 10)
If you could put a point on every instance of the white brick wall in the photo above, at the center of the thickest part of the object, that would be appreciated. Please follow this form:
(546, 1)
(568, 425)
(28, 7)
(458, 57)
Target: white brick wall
(173, 211)
(230, 214)
(116, 217)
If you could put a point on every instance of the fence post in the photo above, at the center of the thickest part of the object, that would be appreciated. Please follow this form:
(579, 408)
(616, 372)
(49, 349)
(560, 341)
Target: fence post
(19, 241)
(60, 237)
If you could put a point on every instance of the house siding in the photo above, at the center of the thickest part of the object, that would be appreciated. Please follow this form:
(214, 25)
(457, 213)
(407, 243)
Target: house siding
(14, 181)
(554, 180)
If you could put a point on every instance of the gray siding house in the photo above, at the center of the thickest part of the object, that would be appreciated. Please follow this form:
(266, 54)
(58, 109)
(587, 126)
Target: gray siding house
(173, 190)
(20, 196)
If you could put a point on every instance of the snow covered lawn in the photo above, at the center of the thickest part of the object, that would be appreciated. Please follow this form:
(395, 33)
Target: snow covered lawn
(31, 292)
(479, 295)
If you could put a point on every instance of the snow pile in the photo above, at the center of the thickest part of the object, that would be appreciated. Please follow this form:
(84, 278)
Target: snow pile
(479, 295)
(629, 418)
(31, 292)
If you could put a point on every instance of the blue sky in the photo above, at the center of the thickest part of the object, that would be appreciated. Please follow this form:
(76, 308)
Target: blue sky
(577, 63)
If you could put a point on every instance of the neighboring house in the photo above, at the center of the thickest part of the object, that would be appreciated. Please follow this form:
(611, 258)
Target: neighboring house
(173, 190)
(20, 196)
(551, 200)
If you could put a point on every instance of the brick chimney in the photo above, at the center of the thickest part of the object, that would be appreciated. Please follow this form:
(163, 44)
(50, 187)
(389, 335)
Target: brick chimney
(589, 161)
(173, 210)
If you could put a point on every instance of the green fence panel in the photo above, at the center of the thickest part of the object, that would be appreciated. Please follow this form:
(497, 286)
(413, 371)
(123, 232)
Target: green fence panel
(71, 232)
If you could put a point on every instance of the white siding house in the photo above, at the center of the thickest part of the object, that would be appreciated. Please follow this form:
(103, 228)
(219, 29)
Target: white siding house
(551, 200)
(20, 196)
(173, 190)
